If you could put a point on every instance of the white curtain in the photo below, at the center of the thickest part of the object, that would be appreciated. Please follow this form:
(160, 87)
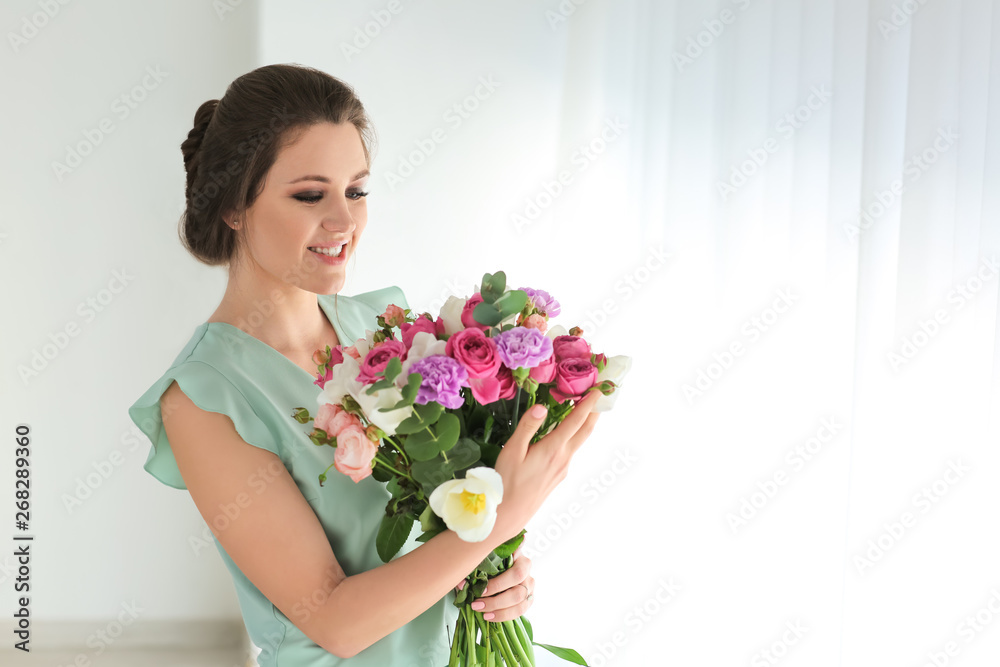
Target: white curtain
(817, 435)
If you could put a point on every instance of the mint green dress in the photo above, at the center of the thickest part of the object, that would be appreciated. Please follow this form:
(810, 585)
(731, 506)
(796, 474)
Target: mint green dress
(224, 369)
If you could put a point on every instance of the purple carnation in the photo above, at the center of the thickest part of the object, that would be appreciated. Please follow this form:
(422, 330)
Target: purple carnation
(522, 347)
(543, 301)
(442, 380)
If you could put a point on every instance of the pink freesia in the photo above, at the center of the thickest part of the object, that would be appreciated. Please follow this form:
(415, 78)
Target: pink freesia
(326, 415)
(485, 390)
(355, 453)
(468, 321)
(573, 377)
(373, 366)
(471, 348)
(568, 347)
(422, 323)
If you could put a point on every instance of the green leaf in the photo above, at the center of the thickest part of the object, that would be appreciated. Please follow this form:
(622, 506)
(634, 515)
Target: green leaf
(448, 428)
(392, 534)
(498, 282)
(409, 392)
(431, 473)
(511, 302)
(378, 386)
(463, 454)
(486, 313)
(564, 653)
(527, 628)
(381, 474)
(427, 535)
(393, 487)
(393, 368)
(510, 546)
(423, 416)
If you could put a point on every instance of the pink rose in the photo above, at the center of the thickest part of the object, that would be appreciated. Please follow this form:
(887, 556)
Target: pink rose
(325, 416)
(545, 371)
(341, 421)
(568, 347)
(536, 321)
(507, 385)
(352, 351)
(468, 321)
(422, 323)
(375, 361)
(355, 453)
(472, 349)
(573, 377)
(393, 316)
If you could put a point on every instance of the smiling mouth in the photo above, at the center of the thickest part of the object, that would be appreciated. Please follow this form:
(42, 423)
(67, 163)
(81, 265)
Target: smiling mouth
(329, 251)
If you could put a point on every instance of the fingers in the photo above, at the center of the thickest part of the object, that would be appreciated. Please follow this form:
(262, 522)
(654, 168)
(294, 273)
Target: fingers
(507, 604)
(517, 573)
(576, 417)
(528, 425)
(581, 435)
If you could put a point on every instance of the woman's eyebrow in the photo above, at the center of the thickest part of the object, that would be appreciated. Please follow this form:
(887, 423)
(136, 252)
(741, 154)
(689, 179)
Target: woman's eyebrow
(324, 179)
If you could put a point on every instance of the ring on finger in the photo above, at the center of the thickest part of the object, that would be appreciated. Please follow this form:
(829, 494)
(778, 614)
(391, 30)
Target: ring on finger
(530, 596)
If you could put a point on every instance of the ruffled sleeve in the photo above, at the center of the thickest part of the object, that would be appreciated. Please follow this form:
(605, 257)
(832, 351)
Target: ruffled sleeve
(210, 390)
(378, 300)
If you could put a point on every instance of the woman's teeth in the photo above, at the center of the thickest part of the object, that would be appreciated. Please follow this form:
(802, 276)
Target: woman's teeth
(329, 252)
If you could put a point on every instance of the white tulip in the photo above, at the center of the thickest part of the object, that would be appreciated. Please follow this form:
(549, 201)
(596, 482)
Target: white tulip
(451, 315)
(469, 506)
(616, 369)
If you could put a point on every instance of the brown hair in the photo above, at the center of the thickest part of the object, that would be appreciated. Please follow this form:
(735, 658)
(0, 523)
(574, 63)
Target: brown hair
(235, 141)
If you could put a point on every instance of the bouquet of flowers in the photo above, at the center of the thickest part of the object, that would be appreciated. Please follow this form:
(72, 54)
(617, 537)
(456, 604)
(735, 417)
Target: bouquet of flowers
(425, 405)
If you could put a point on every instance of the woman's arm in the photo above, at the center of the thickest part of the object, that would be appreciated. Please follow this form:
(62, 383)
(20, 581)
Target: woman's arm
(277, 541)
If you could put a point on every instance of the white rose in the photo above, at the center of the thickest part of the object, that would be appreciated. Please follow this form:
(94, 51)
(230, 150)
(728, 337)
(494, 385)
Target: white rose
(424, 345)
(383, 398)
(469, 506)
(615, 370)
(343, 380)
(451, 315)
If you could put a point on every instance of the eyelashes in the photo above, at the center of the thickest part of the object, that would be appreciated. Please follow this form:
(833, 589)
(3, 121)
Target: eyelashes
(310, 198)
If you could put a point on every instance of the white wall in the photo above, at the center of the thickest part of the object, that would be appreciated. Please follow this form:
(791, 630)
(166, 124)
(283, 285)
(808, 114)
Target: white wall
(64, 240)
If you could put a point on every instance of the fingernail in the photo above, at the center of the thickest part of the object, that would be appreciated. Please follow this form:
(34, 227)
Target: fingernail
(478, 604)
(488, 616)
(538, 411)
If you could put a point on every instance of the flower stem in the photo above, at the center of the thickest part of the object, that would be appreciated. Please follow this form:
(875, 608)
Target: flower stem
(501, 641)
(525, 641)
(515, 642)
(471, 627)
(386, 464)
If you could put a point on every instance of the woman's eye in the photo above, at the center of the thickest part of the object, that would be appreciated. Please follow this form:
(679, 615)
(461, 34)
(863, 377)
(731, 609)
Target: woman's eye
(310, 199)
(356, 194)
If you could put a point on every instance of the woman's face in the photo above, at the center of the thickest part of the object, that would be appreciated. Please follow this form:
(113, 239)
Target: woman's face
(313, 198)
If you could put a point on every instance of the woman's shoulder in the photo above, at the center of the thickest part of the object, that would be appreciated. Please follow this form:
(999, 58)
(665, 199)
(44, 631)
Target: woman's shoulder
(377, 299)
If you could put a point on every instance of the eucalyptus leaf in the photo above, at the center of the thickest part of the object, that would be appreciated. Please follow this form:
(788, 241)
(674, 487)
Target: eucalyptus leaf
(378, 386)
(393, 368)
(463, 454)
(511, 302)
(392, 534)
(448, 428)
(432, 473)
(486, 313)
(423, 416)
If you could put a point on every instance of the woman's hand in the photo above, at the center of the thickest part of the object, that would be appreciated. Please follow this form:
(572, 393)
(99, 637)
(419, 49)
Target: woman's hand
(505, 597)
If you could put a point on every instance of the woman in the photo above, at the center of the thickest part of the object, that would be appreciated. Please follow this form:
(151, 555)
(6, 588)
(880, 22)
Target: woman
(276, 172)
